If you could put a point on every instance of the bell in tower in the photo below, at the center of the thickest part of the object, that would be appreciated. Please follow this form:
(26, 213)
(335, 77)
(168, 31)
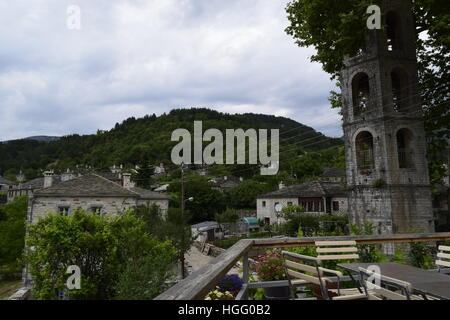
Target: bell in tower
(387, 172)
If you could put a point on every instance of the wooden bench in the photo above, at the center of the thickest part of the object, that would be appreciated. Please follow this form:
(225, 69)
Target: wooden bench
(443, 257)
(301, 269)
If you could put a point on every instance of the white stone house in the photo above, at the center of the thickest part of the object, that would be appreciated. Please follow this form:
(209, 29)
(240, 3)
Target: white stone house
(316, 197)
(92, 193)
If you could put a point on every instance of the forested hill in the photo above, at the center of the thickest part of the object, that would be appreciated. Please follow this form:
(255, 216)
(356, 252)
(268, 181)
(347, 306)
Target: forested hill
(147, 140)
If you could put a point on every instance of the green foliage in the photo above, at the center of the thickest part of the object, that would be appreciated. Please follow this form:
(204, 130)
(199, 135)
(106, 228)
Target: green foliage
(309, 225)
(378, 183)
(334, 28)
(206, 201)
(147, 141)
(368, 252)
(178, 231)
(147, 277)
(103, 248)
(244, 195)
(419, 253)
(228, 216)
(399, 256)
(174, 227)
(12, 234)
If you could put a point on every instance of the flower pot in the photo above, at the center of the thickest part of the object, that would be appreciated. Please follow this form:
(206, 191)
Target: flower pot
(277, 293)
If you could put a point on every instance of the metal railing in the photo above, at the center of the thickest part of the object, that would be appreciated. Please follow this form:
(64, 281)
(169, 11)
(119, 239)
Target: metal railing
(197, 285)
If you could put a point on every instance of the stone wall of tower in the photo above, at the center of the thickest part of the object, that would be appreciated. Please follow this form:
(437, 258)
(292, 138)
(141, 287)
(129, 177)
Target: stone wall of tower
(394, 198)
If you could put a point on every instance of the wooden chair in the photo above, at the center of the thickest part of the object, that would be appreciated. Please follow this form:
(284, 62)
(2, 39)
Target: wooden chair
(443, 258)
(379, 287)
(335, 251)
(301, 269)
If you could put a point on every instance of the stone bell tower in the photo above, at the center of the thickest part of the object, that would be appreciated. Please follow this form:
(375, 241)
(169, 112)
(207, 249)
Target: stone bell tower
(387, 173)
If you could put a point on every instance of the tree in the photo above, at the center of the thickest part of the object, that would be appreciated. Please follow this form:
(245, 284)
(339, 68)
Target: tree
(12, 234)
(336, 28)
(102, 247)
(147, 277)
(179, 232)
(228, 216)
(244, 195)
(206, 201)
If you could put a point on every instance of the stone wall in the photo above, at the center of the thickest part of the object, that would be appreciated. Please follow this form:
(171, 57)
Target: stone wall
(41, 206)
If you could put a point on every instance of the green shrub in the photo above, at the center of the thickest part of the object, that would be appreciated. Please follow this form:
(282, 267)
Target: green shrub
(12, 236)
(368, 252)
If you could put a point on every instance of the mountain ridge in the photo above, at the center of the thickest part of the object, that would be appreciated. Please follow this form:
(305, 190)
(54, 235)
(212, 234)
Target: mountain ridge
(148, 140)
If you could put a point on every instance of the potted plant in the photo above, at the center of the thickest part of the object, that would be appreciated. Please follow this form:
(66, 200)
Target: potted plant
(231, 283)
(219, 295)
(270, 267)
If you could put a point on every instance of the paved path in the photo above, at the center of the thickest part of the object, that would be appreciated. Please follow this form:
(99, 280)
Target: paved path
(196, 260)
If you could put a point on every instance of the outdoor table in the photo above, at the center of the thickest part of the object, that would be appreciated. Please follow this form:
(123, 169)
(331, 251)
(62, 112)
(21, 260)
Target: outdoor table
(423, 281)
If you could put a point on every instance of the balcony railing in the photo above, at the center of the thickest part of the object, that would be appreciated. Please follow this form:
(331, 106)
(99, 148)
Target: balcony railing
(197, 285)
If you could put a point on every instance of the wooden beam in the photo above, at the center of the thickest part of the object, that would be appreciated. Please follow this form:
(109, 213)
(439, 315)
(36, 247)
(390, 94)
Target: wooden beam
(371, 239)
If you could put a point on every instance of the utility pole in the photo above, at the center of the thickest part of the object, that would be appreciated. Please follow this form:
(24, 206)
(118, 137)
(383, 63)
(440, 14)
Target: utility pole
(183, 271)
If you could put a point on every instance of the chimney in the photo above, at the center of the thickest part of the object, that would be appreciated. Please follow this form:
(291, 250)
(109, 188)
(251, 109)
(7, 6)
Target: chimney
(126, 178)
(281, 185)
(48, 179)
(66, 176)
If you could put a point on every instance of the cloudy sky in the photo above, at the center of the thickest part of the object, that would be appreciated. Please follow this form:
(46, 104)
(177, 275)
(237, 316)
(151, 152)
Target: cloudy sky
(134, 57)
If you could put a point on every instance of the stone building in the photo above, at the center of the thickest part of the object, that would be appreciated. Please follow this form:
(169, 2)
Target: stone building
(92, 193)
(225, 183)
(387, 170)
(317, 197)
(333, 175)
(5, 185)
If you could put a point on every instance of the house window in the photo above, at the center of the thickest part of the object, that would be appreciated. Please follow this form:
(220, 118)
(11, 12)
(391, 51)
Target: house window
(364, 150)
(96, 210)
(267, 221)
(264, 204)
(361, 93)
(63, 210)
(335, 205)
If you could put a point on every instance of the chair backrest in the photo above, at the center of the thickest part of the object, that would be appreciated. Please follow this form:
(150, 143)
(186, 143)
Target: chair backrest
(303, 269)
(336, 250)
(379, 287)
(443, 257)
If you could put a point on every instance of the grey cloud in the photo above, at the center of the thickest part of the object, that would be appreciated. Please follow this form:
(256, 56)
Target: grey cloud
(136, 57)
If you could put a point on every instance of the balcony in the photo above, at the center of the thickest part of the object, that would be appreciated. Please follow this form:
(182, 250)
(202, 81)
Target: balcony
(197, 285)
